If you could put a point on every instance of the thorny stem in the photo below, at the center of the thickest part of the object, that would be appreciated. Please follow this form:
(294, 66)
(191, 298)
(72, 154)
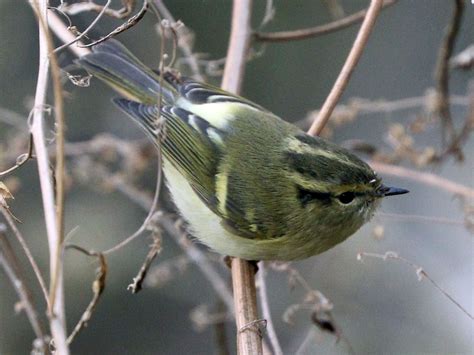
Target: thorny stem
(348, 68)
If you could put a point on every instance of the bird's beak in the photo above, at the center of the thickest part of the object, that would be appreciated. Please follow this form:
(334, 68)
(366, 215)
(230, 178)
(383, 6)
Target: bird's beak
(383, 191)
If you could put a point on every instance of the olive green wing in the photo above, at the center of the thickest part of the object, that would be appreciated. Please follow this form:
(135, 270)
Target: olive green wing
(195, 148)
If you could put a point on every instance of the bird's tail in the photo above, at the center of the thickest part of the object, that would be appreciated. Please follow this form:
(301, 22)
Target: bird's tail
(112, 63)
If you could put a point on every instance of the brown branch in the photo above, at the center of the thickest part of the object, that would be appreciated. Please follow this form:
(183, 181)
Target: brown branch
(10, 220)
(184, 45)
(348, 68)
(98, 287)
(311, 32)
(420, 273)
(442, 67)
(425, 178)
(265, 304)
(249, 340)
(57, 313)
(21, 160)
(11, 266)
(155, 249)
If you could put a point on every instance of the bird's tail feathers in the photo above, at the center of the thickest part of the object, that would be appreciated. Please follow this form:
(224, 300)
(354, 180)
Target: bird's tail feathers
(112, 63)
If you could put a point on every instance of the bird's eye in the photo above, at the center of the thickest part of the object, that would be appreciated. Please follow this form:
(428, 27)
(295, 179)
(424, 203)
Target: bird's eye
(346, 197)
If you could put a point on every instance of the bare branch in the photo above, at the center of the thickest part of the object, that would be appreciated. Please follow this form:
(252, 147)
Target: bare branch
(93, 23)
(423, 177)
(11, 266)
(249, 341)
(348, 68)
(420, 273)
(98, 287)
(442, 67)
(311, 32)
(265, 304)
(27, 251)
(57, 316)
(155, 249)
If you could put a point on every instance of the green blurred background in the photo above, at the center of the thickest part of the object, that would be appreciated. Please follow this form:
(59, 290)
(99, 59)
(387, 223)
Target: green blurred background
(379, 306)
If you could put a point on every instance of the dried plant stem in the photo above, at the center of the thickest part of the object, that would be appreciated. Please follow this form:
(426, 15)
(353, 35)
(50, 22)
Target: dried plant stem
(305, 33)
(6, 214)
(249, 340)
(265, 304)
(61, 30)
(348, 68)
(185, 46)
(57, 313)
(442, 67)
(11, 266)
(425, 178)
(93, 23)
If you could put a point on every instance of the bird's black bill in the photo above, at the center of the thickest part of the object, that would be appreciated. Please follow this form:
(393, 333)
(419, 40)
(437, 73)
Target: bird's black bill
(390, 191)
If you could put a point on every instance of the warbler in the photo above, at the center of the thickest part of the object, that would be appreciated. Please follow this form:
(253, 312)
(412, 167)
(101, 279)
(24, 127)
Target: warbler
(249, 184)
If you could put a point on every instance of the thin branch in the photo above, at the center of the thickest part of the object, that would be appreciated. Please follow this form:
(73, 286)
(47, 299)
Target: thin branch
(249, 340)
(311, 32)
(57, 319)
(420, 273)
(348, 68)
(425, 178)
(62, 32)
(184, 45)
(155, 249)
(26, 250)
(98, 286)
(265, 304)
(442, 67)
(132, 21)
(93, 23)
(21, 160)
(11, 266)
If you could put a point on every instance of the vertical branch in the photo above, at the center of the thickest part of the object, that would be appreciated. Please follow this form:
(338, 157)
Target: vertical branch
(249, 340)
(348, 68)
(265, 304)
(442, 68)
(57, 313)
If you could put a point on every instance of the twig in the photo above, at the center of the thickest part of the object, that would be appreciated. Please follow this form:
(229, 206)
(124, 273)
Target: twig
(93, 23)
(265, 304)
(442, 67)
(348, 68)
(420, 273)
(62, 32)
(57, 316)
(21, 160)
(155, 249)
(27, 251)
(191, 250)
(87, 6)
(421, 218)
(425, 178)
(132, 21)
(11, 266)
(311, 32)
(249, 341)
(98, 287)
(184, 45)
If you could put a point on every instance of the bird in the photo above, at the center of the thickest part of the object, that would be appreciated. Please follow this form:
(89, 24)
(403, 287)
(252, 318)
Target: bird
(248, 183)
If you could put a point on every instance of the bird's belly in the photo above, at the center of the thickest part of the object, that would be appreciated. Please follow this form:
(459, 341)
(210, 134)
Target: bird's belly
(207, 227)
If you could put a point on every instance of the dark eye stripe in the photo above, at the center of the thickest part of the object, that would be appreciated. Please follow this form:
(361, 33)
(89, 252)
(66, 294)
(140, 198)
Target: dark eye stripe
(306, 196)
